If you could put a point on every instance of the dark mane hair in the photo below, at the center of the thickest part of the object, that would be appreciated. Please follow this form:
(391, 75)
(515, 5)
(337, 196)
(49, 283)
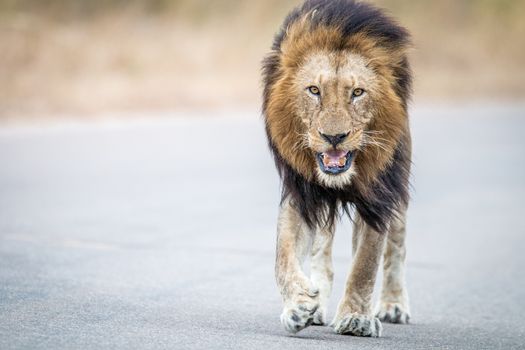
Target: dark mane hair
(379, 202)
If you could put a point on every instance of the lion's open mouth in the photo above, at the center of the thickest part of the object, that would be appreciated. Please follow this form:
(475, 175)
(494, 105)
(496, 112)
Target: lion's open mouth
(335, 162)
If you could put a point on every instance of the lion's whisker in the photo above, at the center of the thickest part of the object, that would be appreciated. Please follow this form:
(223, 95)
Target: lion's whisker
(374, 142)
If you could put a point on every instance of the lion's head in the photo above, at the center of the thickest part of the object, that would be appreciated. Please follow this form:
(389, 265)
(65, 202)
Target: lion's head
(335, 103)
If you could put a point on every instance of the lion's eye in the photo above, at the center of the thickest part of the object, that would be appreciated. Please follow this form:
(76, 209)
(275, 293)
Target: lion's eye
(358, 92)
(314, 90)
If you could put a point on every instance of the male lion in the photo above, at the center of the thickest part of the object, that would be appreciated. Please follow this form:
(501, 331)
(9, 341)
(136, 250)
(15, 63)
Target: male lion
(337, 82)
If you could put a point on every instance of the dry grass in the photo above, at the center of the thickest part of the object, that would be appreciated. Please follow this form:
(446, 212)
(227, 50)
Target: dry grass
(98, 56)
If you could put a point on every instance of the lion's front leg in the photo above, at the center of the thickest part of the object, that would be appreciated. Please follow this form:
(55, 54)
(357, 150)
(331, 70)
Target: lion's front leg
(300, 296)
(322, 270)
(393, 306)
(354, 313)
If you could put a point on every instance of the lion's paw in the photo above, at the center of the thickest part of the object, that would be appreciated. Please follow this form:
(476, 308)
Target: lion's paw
(358, 325)
(297, 318)
(393, 313)
(300, 312)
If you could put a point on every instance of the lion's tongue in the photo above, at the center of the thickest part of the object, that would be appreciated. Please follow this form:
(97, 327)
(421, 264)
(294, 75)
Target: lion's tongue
(334, 159)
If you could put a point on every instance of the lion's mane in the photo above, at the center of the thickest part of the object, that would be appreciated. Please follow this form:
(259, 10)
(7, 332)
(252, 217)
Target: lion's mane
(381, 185)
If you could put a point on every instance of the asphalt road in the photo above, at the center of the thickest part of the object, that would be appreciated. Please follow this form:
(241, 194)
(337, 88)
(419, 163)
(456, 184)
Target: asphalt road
(159, 233)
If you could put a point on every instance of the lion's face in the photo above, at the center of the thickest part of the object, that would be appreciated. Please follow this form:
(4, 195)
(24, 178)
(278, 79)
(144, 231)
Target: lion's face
(334, 114)
(335, 99)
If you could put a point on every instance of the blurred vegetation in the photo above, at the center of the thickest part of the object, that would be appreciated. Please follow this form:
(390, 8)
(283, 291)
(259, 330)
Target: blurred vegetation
(80, 8)
(459, 12)
(193, 10)
(90, 56)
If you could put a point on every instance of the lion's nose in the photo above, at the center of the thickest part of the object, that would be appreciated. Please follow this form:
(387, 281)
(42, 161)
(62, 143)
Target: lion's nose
(334, 140)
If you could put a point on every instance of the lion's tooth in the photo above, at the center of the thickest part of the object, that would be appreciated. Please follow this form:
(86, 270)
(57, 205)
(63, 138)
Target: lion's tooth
(326, 160)
(342, 161)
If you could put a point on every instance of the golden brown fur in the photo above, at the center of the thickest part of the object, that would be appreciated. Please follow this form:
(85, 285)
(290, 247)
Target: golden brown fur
(337, 84)
(283, 114)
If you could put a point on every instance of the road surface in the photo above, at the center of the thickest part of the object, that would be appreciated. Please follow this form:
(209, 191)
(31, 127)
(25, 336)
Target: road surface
(159, 233)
